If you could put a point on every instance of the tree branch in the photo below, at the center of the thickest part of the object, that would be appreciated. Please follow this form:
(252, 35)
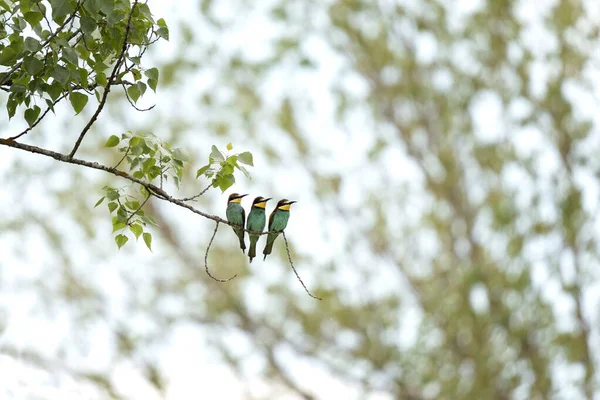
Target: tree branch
(153, 190)
(198, 195)
(112, 77)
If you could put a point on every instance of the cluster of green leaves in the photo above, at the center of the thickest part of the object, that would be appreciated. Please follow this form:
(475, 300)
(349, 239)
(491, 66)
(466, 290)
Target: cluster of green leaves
(221, 166)
(58, 48)
(128, 213)
(149, 159)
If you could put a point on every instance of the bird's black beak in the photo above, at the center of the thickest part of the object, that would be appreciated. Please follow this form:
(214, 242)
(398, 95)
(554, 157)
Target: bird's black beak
(241, 195)
(265, 200)
(292, 202)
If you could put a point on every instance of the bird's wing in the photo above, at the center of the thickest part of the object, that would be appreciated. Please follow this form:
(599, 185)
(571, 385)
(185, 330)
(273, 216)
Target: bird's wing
(271, 219)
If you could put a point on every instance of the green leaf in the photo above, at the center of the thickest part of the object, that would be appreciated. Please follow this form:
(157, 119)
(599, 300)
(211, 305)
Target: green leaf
(148, 240)
(122, 214)
(137, 75)
(7, 56)
(33, 17)
(179, 155)
(216, 155)
(152, 83)
(225, 182)
(163, 33)
(11, 107)
(70, 55)
(121, 240)
(31, 115)
(61, 8)
(83, 76)
(152, 73)
(232, 160)
(132, 205)
(136, 229)
(112, 141)
(99, 201)
(31, 44)
(88, 24)
(142, 87)
(101, 78)
(61, 74)
(118, 224)
(226, 170)
(229, 146)
(134, 93)
(78, 101)
(112, 194)
(92, 6)
(154, 171)
(112, 206)
(32, 65)
(149, 220)
(246, 158)
(54, 90)
(148, 163)
(202, 171)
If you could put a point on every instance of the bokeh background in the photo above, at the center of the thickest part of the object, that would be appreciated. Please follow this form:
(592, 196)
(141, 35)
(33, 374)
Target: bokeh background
(445, 159)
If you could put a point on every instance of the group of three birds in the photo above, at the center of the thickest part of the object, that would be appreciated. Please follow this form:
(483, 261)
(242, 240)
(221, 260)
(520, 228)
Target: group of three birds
(256, 221)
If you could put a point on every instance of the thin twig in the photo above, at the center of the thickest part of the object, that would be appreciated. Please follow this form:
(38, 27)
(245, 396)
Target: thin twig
(206, 258)
(287, 248)
(138, 209)
(198, 195)
(40, 118)
(112, 77)
(125, 155)
(133, 105)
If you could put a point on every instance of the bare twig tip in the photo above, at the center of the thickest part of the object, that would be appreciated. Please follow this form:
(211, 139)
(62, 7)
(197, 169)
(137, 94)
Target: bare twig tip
(206, 257)
(287, 249)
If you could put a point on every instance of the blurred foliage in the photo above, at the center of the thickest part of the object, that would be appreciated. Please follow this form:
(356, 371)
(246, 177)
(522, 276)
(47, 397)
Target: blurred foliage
(476, 277)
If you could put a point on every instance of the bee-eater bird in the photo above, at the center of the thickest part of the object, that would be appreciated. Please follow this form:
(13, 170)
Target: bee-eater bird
(237, 215)
(256, 223)
(277, 222)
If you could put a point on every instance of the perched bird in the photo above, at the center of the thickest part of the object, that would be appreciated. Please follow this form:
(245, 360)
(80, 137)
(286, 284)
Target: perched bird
(237, 215)
(256, 223)
(277, 222)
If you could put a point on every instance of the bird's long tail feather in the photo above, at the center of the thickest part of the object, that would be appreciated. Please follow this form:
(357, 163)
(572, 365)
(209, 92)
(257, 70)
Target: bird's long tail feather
(269, 246)
(252, 249)
(240, 235)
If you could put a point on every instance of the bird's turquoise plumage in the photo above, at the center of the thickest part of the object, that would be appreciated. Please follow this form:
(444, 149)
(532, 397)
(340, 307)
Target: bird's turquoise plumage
(256, 223)
(277, 222)
(235, 214)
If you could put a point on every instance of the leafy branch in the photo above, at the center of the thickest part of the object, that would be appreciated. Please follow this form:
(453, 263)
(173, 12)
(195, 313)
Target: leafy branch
(124, 210)
(72, 60)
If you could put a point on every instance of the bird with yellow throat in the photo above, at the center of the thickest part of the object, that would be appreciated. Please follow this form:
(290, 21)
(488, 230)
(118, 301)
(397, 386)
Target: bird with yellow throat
(277, 222)
(237, 215)
(256, 223)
